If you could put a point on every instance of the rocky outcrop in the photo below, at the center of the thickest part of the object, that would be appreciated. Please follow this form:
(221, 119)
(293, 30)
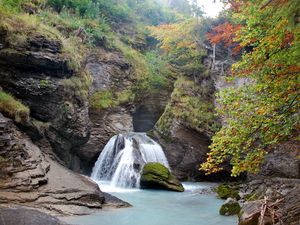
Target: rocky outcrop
(185, 151)
(250, 213)
(279, 197)
(40, 74)
(281, 161)
(24, 216)
(157, 176)
(110, 71)
(30, 178)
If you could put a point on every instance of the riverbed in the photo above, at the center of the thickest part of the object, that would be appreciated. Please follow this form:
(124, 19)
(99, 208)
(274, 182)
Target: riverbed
(195, 206)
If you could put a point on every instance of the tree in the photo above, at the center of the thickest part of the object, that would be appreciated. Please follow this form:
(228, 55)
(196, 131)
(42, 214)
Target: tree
(179, 42)
(266, 110)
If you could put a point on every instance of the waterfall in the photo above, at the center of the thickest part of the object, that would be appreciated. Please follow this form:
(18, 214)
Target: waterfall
(123, 158)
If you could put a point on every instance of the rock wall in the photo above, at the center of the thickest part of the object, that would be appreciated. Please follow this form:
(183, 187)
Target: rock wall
(185, 129)
(31, 178)
(110, 71)
(38, 73)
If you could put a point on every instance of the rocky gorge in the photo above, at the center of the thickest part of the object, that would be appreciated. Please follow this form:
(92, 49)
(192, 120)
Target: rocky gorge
(78, 96)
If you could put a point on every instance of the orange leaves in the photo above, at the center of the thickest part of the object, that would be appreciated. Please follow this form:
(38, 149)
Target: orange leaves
(225, 33)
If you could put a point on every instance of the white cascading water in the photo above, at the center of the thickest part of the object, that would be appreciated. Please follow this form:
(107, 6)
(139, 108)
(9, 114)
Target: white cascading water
(123, 158)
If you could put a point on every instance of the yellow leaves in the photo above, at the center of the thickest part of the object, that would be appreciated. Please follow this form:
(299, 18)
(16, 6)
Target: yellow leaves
(174, 36)
(261, 111)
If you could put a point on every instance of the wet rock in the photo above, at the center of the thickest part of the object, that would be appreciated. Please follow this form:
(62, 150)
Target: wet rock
(25, 216)
(113, 202)
(157, 176)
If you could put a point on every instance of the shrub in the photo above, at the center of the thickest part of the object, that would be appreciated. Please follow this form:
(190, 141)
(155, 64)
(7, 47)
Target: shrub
(13, 108)
(102, 100)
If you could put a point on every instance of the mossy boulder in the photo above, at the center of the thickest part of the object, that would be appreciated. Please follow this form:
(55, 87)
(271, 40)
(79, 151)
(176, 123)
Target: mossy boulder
(230, 207)
(225, 191)
(157, 176)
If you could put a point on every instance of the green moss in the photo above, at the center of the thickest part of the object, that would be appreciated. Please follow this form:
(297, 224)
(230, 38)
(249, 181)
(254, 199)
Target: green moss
(124, 96)
(109, 99)
(102, 100)
(189, 105)
(157, 176)
(78, 85)
(13, 108)
(230, 209)
(156, 169)
(225, 191)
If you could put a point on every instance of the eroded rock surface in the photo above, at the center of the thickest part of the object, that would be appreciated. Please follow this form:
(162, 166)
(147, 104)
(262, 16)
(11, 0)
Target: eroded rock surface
(110, 71)
(39, 74)
(185, 152)
(30, 178)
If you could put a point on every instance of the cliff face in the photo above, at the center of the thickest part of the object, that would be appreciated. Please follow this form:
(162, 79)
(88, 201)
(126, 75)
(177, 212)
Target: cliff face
(30, 178)
(110, 73)
(38, 73)
(189, 121)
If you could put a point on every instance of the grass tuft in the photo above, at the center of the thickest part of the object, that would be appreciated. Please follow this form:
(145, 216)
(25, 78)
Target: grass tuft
(13, 108)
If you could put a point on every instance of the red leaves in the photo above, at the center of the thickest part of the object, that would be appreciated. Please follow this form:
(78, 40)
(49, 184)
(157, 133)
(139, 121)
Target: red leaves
(288, 38)
(225, 33)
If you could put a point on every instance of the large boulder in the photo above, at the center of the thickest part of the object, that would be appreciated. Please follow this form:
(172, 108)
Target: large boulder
(157, 176)
(24, 216)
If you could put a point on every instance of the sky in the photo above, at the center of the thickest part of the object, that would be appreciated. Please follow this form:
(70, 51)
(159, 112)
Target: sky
(210, 8)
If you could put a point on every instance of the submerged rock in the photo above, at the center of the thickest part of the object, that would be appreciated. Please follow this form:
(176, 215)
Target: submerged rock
(157, 176)
(230, 207)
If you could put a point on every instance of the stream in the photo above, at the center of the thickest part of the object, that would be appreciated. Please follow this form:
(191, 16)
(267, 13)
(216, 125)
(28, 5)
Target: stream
(118, 171)
(155, 207)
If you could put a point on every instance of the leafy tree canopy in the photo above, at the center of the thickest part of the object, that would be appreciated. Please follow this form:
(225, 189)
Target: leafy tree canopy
(265, 111)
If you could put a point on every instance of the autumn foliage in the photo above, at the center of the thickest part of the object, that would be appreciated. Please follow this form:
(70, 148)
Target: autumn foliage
(225, 33)
(264, 111)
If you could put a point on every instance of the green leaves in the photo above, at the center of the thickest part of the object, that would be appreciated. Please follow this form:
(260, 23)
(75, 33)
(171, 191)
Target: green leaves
(263, 112)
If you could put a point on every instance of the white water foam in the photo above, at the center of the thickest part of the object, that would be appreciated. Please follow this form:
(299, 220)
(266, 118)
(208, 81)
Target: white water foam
(122, 159)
